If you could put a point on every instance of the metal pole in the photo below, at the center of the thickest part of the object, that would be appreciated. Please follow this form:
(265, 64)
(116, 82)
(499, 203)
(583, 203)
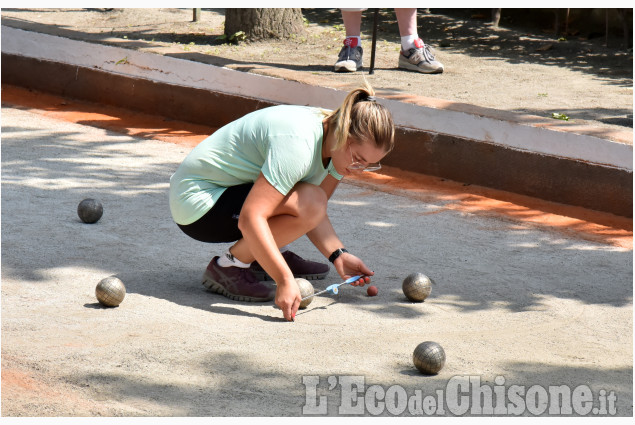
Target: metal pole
(372, 53)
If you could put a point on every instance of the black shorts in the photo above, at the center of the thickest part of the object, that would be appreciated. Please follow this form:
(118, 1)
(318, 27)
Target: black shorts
(220, 223)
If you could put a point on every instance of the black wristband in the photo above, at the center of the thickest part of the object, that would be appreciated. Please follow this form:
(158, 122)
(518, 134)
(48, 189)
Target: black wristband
(337, 253)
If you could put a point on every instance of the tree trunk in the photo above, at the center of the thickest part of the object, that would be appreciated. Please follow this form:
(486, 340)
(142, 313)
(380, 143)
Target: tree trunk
(258, 24)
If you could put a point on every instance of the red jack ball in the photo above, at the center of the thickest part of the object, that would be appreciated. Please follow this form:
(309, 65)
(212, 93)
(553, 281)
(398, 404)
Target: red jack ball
(372, 291)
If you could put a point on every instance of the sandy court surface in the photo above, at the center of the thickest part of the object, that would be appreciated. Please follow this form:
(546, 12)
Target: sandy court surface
(526, 301)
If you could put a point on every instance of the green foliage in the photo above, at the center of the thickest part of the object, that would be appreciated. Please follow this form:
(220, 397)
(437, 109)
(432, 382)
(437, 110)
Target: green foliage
(238, 36)
(557, 116)
(234, 38)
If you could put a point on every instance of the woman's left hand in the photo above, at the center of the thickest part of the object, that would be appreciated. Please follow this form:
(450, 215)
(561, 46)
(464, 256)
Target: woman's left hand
(348, 265)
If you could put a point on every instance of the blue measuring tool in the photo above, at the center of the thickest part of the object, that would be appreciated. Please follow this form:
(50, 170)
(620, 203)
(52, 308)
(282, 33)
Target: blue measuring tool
(333, 289)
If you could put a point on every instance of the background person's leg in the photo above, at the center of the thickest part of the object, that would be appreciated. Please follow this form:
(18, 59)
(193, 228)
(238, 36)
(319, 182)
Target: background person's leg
(415, 55)
(350, 57)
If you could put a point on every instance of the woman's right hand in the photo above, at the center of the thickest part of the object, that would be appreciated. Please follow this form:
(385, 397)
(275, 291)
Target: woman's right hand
(288, 298)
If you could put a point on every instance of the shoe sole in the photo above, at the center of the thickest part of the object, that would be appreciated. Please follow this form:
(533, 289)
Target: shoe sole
(412, 67)
(344, 69)
(263, 276)
(348, 68)
(213, 286)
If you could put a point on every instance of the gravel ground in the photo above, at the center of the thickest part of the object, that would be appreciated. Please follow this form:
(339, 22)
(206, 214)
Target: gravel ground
(515, 304)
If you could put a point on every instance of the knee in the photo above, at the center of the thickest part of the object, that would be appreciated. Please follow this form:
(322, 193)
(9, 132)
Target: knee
(312, 203)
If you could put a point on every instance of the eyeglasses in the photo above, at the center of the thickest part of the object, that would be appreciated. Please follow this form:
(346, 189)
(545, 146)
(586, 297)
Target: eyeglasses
(358, 166)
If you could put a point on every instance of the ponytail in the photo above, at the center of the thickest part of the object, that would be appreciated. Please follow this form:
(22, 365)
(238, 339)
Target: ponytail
(361, 117)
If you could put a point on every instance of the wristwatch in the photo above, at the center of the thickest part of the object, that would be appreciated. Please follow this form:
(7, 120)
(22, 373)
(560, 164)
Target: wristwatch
(337, 253)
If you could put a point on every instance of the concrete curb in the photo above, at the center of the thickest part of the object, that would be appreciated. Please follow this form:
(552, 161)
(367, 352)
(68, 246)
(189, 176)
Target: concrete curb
(518, 153)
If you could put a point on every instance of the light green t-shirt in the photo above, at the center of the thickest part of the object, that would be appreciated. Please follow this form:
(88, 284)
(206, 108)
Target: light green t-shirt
(283, 142)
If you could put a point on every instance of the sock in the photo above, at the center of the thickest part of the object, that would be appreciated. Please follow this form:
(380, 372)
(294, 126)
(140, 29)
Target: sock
(353, 41)
(410, 42)
(228, 260)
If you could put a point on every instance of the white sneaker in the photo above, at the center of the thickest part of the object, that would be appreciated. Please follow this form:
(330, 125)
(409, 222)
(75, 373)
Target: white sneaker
(350, 57)
(420, 59)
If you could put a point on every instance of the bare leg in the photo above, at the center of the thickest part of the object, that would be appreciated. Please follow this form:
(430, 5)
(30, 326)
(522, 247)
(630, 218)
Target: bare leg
(352, 23)
(414, 56)
(407, 20)
(300, 212)
(349, 59)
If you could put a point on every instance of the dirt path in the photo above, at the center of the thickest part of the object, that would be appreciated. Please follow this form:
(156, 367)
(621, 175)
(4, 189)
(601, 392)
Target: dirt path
(511, 68)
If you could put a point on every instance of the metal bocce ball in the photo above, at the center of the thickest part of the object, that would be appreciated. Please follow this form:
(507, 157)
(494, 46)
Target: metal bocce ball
(90, 210)
(429, 357)
(306, 289)
(110, 291)
(417, 287)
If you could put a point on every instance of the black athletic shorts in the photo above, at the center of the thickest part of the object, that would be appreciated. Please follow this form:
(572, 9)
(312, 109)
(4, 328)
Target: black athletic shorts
(220, 223)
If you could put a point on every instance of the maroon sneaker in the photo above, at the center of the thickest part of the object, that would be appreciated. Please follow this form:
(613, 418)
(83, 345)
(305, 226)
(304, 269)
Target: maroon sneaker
(300, 267)
(236, 283)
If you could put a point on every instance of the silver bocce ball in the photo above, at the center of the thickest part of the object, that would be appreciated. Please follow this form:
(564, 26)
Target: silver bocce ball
(417, 287)
(90, 210)
(429, 357)
(306, 289)
(110, 291)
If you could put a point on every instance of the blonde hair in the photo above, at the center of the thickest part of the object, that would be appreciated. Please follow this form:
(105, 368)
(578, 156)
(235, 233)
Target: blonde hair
(361, 117)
